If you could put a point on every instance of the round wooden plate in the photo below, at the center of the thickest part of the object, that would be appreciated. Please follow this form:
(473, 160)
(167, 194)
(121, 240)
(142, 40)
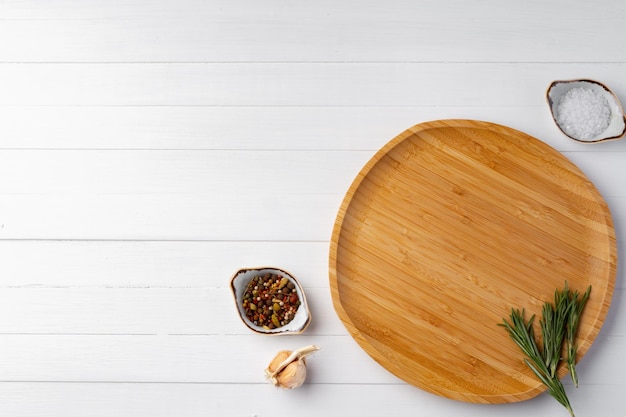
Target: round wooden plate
(448, 227)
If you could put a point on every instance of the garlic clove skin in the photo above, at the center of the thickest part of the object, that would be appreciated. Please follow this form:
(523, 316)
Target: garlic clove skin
(292, 376)
(288, 369)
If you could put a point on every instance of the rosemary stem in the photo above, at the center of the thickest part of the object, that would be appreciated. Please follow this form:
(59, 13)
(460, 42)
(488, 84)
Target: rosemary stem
(559, 327)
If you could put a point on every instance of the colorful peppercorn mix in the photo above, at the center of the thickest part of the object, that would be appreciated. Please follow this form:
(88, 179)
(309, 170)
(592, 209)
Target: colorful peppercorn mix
(270, 301)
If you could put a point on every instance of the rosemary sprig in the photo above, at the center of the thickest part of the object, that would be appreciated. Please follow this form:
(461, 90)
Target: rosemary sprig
(559, 325)
(523, 335)
(553, 327)
(576, 308)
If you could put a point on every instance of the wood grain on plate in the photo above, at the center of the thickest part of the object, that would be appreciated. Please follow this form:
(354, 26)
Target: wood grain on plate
(448, 227)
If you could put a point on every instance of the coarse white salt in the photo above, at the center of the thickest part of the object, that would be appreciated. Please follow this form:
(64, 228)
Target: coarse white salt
(583, 113)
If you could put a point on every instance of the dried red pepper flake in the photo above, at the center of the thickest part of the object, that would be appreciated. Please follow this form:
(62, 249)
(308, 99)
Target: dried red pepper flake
(270, 301)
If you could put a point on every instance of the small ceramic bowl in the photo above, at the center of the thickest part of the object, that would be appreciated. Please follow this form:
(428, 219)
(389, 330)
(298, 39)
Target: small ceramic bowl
(238, 284)
(615, 125)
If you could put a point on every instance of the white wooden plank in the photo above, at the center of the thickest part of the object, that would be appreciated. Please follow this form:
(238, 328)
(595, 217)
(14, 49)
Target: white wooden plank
(311, 400)
(323, 31)
(153, 264)
(298, 217)
(294, 84)
(254, 127)
(220, 359)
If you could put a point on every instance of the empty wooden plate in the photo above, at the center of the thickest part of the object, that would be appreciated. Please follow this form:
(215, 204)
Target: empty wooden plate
(448, 227)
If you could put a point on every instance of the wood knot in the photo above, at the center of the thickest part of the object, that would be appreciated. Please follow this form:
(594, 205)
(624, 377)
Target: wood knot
(458, 190)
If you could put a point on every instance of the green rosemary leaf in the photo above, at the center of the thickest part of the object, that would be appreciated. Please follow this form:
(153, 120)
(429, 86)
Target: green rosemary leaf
(522, 334)
(576, 308)
(541, 375)
(553, 328)
(555, 387)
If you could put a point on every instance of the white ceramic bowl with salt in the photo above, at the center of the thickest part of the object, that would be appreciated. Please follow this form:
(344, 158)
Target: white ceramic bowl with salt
(586, 110)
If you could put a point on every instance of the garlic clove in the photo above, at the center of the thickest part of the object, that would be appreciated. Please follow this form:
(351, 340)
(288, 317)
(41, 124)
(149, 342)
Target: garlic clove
(288, 369)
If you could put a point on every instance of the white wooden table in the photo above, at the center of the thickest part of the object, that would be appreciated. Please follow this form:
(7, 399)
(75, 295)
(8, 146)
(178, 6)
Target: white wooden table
(149, 149)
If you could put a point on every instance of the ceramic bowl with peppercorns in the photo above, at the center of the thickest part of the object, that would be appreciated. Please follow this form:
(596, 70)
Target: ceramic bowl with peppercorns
(270, 301)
